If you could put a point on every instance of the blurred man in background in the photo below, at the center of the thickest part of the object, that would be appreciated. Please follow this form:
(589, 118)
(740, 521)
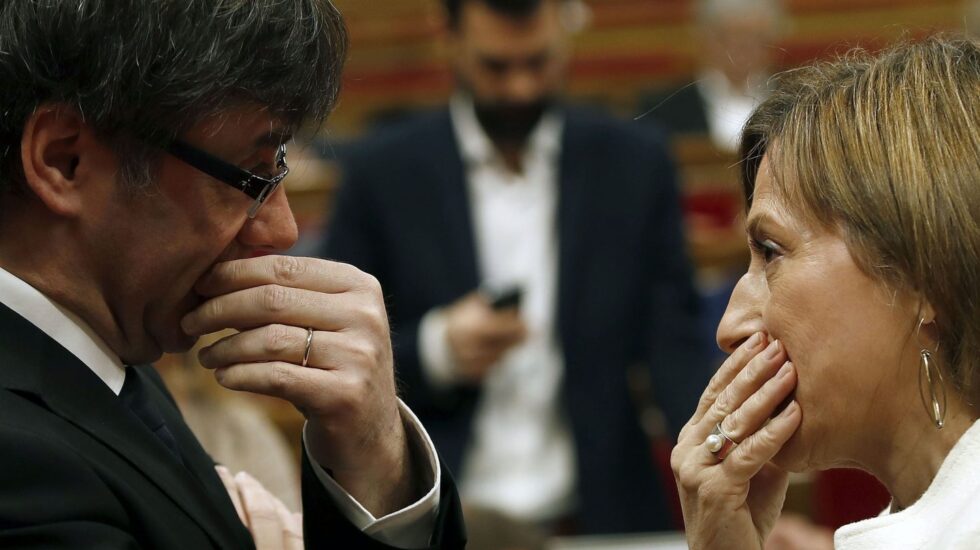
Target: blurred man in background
(971, 11)
(532, 253)
(736, 40)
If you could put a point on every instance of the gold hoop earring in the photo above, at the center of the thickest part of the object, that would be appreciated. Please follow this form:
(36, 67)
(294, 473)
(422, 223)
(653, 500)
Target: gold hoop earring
(935, 403)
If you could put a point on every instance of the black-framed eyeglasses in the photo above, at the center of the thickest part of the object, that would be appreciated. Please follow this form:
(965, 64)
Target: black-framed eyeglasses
(257, 187)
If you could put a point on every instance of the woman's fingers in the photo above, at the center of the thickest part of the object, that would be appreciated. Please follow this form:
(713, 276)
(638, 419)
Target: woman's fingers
(759, 369)
(726, 373)
(760, 406)
(758, 449)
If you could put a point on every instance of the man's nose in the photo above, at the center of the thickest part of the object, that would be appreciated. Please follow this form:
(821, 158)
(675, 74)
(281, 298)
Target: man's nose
(743, 316)
(274, 228)
(522, 86)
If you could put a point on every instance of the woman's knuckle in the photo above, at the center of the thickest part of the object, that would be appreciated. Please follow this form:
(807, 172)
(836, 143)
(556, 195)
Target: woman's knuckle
(724, 402)
(730, 424)
(678, 457)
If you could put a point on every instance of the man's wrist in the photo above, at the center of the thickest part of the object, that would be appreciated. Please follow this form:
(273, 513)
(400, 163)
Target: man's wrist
(380, 477)
(411, 526)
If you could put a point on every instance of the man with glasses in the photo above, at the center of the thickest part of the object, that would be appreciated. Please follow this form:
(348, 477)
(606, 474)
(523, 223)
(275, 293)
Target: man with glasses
(142, 148)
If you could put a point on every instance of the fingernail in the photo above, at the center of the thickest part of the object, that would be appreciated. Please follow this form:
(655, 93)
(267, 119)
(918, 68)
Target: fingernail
(784, 370)
(773, 350)
(753, 341)
(187, 325)
(790, 409)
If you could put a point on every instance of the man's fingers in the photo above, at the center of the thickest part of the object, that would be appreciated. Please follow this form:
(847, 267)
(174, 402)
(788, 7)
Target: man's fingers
(727, 372)
(300, 386)
(274, 304)
(503, 329)
(328, 350)
(309, 273)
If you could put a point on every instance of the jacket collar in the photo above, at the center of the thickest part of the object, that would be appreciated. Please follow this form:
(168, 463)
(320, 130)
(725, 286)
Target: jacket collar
(65, 327)
(38, 365)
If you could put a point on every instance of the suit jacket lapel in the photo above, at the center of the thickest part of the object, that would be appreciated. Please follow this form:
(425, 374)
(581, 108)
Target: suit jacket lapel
(451, 174)
(575, 176)
(37, 364)
(196, 459)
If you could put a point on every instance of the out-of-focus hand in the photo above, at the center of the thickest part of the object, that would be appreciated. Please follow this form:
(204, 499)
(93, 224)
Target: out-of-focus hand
(347, 388)
(272, 525)
(793, 532)
(479, 336)
(734, 503)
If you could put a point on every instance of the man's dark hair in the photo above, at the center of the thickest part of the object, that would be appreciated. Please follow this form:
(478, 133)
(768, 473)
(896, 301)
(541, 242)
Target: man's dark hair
(146, 70)
(514, 8)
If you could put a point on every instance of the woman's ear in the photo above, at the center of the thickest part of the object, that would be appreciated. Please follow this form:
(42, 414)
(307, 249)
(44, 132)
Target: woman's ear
(927, 325)
(57, 151)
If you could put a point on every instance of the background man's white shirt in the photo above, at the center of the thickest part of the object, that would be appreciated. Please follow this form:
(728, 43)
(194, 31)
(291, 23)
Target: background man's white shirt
(520, 459)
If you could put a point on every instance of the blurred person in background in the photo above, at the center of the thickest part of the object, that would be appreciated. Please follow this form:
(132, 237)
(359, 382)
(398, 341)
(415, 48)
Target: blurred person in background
(972, 17)
(855, 334)
(736, 53)
(532, 253)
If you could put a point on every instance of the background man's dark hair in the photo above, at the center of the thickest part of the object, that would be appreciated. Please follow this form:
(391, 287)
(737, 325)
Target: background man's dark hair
(515, 8)
(149, 69)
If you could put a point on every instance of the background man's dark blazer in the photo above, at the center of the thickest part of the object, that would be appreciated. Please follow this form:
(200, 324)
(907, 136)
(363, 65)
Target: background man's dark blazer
(624, 290)
(79, 470)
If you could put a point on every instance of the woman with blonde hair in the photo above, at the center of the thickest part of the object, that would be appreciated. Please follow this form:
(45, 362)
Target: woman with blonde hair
(855, 334)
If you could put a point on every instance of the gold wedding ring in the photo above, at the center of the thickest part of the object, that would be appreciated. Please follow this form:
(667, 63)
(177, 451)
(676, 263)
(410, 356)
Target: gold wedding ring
(309, 346)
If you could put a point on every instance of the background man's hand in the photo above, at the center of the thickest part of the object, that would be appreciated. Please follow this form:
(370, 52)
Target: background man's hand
(347, 388)
(479, 336)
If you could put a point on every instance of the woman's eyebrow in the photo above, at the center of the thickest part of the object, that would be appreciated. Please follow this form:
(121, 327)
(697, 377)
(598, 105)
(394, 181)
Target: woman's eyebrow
(754, 224)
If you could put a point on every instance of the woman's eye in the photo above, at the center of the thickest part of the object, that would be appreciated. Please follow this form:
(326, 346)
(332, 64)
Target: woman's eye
(765, 248)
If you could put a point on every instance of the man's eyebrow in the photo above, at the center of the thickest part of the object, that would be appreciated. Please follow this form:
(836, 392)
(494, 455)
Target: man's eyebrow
(274, 139)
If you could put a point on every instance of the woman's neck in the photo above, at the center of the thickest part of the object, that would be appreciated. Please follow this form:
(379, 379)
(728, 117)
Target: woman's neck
(909, 462)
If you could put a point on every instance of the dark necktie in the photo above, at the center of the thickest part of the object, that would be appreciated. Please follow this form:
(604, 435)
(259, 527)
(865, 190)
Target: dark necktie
(134, 395)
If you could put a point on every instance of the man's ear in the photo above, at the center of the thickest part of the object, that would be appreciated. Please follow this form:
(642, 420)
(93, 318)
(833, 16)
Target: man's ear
(59, 152)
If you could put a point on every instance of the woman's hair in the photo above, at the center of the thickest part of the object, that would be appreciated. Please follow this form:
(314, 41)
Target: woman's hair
(885, 149)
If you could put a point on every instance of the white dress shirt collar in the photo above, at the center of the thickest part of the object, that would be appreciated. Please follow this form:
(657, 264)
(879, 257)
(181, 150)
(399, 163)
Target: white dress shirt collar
(64, 327)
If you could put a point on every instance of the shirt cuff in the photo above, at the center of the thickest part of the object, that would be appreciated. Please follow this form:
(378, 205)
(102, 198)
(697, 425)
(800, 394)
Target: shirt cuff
(410, 527)
(434, 352)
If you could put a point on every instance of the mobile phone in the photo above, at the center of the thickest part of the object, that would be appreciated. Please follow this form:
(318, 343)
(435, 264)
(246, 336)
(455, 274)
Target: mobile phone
(504, 298)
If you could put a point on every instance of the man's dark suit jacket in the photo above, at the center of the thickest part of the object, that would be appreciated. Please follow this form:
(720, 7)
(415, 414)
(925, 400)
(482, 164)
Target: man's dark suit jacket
(625, 295)
(680, 110)
(79, 470)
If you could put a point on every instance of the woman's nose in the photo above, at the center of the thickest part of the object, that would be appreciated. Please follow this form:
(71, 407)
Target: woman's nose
(743, 316)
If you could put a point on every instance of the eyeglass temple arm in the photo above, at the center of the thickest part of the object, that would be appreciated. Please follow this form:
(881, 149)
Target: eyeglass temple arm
(211, 166)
